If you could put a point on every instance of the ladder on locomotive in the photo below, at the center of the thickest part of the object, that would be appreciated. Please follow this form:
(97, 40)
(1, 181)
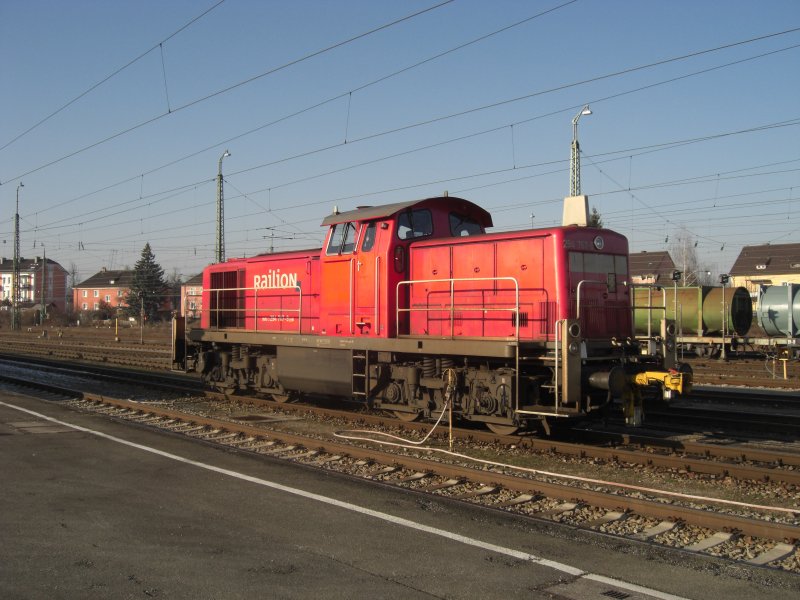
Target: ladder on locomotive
(360, 373)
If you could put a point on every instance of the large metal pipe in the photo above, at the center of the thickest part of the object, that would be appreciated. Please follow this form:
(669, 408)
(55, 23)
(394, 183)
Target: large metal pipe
(700, 310)
(779, 310)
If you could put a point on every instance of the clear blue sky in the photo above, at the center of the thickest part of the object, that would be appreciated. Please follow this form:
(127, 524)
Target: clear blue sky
(450, 123)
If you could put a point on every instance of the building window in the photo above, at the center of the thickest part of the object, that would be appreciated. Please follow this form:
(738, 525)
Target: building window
(97, 293)
(108, 298)
(96, 306)
(84, 306)
(85, 293)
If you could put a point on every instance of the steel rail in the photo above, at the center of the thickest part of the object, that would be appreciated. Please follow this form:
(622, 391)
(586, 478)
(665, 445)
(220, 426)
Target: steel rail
(703, 463)
(711, 459)
(611, 501)
(606, 500)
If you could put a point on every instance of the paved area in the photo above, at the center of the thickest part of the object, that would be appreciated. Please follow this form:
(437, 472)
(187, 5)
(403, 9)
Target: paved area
(116, 511)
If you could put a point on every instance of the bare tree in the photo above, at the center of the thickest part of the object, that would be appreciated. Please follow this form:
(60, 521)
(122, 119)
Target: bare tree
(174, 283)
(74, 275)
(683, 251)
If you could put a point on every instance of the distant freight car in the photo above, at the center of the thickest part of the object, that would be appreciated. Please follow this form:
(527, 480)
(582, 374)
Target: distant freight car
(702, 329)
(697, 311)
(413, 308)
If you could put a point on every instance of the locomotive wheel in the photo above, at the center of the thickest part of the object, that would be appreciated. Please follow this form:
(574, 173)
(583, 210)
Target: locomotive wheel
(502, 429)
(408, 417)
(284, 398)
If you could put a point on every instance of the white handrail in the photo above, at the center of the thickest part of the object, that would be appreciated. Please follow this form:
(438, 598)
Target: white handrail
(350, 292)
(377, 326)
(649, 306)
(220, 311)
(578, 297)
(557, 357)
(452, 306)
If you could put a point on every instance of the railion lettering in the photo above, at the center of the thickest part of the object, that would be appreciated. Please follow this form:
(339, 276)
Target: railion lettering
(275, 280)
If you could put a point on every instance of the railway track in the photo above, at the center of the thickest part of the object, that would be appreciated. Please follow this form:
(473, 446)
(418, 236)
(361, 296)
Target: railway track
(762, 371)
(613, 446)
(100, 346)
(755, 397)
(655, 516)
(728, 421)
(161, 380)
(157, 361)
(156, 358)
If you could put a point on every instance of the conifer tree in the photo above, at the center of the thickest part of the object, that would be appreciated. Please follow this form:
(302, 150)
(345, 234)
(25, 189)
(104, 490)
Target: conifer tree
(595, 219)
(147, 288)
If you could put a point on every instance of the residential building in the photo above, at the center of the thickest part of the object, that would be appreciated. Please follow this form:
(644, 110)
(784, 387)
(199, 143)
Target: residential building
(191, 297)
(105, 286)
(40, 280)
(651, 268)
(767, 264)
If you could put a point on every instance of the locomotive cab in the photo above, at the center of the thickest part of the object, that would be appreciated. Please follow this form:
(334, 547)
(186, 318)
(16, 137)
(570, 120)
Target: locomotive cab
(366, 255)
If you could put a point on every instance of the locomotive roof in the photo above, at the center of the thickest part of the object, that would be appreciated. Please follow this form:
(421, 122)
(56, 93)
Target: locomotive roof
(378, 212)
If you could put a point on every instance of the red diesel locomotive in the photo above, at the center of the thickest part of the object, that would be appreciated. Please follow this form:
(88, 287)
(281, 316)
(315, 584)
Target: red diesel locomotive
(412, 307)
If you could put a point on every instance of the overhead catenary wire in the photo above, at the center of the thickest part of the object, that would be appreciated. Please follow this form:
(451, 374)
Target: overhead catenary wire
(231, 88)
(651, 148)
(227, 141)
(500, 127)
(284, 199)
(171, 229)
(611, 156)
(428, 121)
(93, 87)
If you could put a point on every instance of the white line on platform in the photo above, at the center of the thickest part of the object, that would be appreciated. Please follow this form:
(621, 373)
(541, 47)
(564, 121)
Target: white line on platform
(558, 566)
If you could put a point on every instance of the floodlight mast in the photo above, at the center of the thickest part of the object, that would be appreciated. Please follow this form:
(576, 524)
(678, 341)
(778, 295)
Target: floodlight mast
(219, 255)
(575, 155)
(16, 322)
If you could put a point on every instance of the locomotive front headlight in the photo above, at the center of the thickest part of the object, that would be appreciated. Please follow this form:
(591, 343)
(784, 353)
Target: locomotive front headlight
(671, 329)
(575, 330)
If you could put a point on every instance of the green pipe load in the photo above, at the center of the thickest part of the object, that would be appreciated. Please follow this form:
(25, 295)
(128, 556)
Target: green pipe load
(699, 311)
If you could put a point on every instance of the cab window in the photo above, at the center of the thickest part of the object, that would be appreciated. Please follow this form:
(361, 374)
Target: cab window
(597, 267)
(342, 239)
(369, 238)
(463, 226)
(414, 224)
